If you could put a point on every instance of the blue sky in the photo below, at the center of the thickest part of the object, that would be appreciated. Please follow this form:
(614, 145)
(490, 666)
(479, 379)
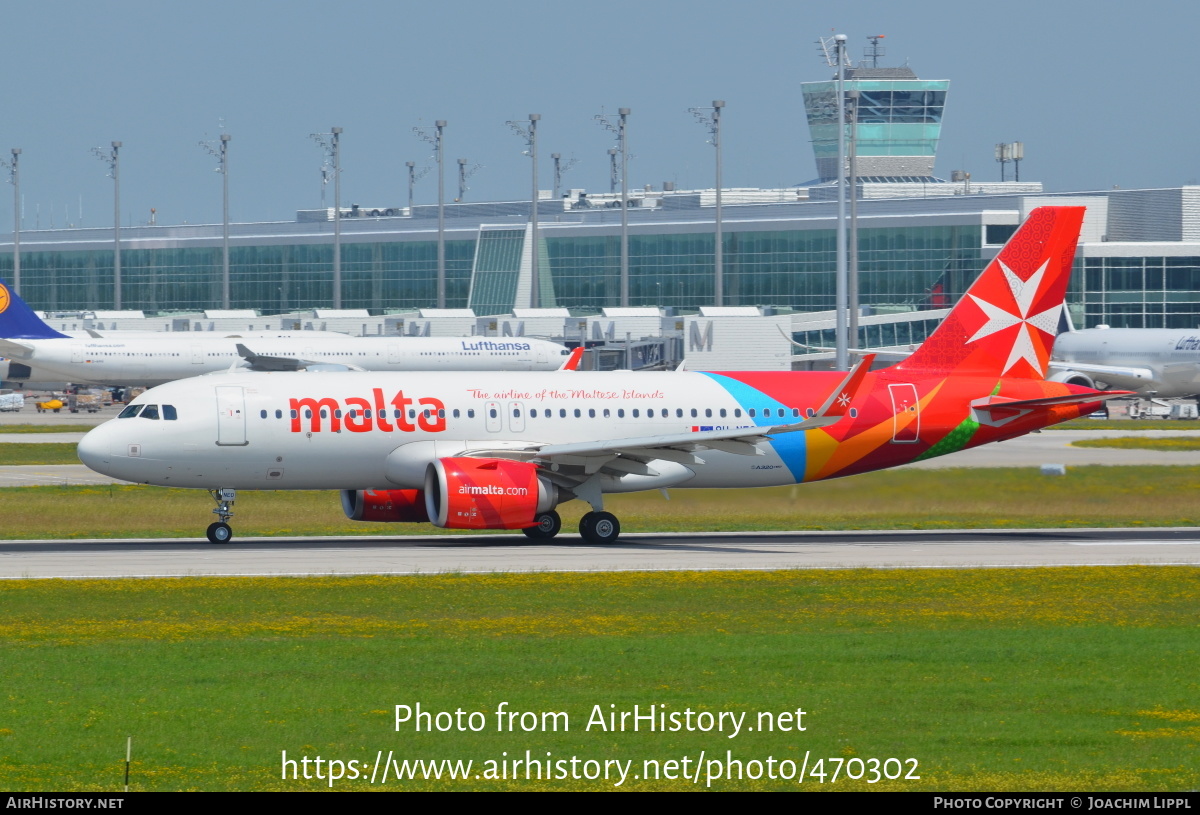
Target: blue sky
(1101, 93)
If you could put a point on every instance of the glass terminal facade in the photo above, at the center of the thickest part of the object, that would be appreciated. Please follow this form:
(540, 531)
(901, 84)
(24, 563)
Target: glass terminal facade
(1140, 292)
(785, 268)
(914, 254)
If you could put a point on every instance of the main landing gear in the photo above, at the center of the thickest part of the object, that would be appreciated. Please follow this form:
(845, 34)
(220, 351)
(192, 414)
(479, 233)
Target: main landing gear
(220, 531)
(548, 525)
(599, 527)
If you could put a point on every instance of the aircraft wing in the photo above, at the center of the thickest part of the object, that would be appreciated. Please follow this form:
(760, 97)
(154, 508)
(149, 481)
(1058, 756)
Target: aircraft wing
(1120, 376)
(262, 362)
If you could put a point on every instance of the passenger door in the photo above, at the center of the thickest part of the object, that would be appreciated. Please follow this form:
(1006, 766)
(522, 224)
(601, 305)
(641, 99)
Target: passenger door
(906, 413)
(231, 416)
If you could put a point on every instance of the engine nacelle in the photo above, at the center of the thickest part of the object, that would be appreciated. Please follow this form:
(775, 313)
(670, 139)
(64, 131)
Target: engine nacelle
(486, 493)
(1072, 378)
(386, 506)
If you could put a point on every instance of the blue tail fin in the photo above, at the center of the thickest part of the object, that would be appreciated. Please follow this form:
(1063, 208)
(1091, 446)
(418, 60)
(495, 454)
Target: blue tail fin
(17, 320)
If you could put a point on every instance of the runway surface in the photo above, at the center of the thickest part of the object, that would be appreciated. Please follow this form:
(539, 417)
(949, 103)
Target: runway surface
(635, 552)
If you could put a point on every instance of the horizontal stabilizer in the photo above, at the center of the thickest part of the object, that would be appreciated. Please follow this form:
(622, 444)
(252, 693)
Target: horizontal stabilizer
(998, 409)
(18, 350)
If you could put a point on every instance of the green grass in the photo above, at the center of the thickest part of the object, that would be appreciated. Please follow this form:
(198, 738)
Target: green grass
(1024, 679)
(34, 453)
(892, 499)
(1173, 425)
(1169, 443)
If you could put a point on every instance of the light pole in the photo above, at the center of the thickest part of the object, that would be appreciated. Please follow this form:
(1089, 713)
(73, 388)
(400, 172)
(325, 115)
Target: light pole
(14, 178)
(221, 153)
(842, 294)
(711, 118)
(530, 135)
(559, 170)
(464, 173)
(414, 175)
(113, 157)
(331, 143)
(436, 139)
(852, 249)
(620, 129)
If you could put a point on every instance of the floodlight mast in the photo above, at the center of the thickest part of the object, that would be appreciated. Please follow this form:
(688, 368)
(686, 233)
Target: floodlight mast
(852, 242)
(221, 153)
(560, 169)
(711, 118)
(464, 173)
(530, 135)
(620, 128)
(113, 157)
(839, 60)
(414, 175)
(14, 178)
(331, 143)
(436, 138)
(842, 355)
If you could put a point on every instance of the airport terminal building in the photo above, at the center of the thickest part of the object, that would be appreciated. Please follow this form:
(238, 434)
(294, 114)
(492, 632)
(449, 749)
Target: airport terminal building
(921, 241)
(1138, 263)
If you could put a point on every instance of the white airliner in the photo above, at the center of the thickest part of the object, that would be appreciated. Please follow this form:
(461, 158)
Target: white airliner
(39, 353)
(501, 451)
(1161, 362)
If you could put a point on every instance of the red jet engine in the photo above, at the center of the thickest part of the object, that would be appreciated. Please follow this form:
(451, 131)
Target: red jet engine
(486, 493)
(387, 506)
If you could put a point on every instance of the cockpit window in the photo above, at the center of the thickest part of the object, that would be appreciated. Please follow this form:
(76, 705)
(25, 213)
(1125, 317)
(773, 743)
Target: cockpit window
(130, 411)
(151, 412)
(169, 413)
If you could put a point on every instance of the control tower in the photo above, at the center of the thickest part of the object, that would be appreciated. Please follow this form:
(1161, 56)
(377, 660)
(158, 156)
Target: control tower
(897, 125)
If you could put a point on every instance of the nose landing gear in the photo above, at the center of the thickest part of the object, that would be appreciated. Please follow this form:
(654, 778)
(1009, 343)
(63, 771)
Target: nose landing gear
(220, 531)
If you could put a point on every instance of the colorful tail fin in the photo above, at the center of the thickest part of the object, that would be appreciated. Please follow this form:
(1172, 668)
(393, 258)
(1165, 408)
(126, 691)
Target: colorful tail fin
(1006, 322)
(17, 320)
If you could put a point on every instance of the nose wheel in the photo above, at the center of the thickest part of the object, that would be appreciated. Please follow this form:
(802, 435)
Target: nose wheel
(220, 531)
(599, 528)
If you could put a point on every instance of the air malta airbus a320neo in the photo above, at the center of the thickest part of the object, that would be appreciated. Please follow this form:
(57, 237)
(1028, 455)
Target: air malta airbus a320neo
(501, 451)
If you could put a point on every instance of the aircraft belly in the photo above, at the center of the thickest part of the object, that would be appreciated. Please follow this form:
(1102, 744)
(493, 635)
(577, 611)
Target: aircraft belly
(730, 470)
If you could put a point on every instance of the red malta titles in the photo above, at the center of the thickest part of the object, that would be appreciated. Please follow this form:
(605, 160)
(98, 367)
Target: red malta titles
(362, 415)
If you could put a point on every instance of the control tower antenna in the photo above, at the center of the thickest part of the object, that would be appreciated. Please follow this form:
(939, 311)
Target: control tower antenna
(830, 50)
(874, 51)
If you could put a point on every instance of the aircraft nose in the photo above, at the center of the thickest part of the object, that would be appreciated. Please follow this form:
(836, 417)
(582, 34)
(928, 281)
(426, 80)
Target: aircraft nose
(93, 449)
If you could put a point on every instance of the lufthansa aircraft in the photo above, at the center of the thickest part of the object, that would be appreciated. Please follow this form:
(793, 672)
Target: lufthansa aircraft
(41, 354)
(1162, 362)
(501, 451)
